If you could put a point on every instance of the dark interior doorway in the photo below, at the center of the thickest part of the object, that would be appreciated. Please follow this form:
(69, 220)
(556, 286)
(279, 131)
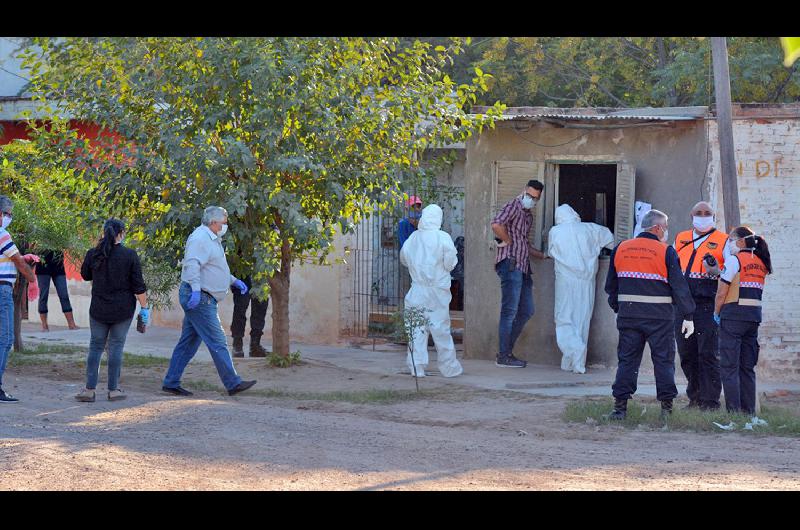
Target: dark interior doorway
(591, 190)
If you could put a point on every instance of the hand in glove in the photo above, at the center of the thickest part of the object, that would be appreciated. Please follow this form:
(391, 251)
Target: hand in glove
(716, 318)
(687, 329)
(239, 284)
(194, 300)
(31, 258)
(145, 314)
(33, 291)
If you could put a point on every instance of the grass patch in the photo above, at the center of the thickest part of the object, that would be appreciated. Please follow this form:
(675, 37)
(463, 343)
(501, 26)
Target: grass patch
(204, 385)
(781, 421)
(278, 361)
(52, 349)
(133, 360)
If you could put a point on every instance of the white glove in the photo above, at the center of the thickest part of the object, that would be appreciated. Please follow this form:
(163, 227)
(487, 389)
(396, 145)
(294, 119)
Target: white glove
(687, 329)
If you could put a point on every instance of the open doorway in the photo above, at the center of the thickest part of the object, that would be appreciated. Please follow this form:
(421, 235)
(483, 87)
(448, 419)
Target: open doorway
(590, 189)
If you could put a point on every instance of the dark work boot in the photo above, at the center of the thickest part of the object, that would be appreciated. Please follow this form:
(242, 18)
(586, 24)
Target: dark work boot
(255, 348)
(620, 410)
(666, 409)
(238, 347)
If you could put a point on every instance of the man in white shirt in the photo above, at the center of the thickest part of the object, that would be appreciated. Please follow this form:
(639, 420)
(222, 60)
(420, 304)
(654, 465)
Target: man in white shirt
(205, 280)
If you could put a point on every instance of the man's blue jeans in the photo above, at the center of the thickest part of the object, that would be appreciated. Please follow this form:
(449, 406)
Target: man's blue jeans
(516, 307)
(201, 324)
(6, 325)
(115, 334)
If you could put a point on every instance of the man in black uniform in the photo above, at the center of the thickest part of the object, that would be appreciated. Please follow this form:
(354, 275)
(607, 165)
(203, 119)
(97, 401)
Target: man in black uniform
(644, 280)
(258, 313)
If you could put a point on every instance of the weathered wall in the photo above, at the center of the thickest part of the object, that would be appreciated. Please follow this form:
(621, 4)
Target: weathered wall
(670, 174)
(768, 167)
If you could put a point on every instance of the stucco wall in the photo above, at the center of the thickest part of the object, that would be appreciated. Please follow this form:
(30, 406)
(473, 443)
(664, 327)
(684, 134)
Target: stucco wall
(670, 164)
(768, 167)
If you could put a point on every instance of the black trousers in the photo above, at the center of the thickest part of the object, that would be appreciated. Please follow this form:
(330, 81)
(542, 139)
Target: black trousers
(700, 356)
(633, 333)
(258, 313)
(738, 349)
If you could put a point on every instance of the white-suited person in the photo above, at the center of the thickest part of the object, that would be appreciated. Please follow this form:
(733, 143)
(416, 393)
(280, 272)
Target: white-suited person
(430, 255)
(575, 247)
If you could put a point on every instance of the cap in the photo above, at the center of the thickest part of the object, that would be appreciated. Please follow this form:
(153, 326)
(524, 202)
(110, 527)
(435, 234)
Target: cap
(413, 200)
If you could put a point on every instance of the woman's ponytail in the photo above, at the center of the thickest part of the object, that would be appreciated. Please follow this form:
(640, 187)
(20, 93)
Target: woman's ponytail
(111, 229)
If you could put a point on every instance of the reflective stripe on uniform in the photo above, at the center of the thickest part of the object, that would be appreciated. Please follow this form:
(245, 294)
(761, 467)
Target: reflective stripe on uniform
(642, 276)
(754, 285)
(644, 299)
(750, 301)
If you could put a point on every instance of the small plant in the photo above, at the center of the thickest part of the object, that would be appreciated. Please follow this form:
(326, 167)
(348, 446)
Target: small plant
(278, 361)
(414, 321)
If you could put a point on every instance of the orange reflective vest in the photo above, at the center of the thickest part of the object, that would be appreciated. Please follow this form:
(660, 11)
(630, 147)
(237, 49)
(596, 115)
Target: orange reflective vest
(744, 296)
(641, 267)
(701, 283)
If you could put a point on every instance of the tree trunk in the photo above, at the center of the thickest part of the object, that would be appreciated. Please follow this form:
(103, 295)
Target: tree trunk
(279, 293)
(20, 292)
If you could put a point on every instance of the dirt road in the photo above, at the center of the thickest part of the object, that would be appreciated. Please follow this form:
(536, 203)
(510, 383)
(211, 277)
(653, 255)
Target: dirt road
(452, 438)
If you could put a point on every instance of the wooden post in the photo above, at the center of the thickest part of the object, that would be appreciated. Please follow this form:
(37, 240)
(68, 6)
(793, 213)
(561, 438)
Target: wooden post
(722, 95)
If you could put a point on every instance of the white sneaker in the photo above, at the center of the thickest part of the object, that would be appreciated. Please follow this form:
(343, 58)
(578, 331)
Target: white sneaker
(116, 395)
(86, 396)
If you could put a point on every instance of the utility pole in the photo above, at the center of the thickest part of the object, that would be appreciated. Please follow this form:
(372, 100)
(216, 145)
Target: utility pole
(722, 95)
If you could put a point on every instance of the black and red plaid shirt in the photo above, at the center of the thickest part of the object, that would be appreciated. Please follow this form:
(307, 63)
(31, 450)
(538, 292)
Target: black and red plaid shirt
(517, 221)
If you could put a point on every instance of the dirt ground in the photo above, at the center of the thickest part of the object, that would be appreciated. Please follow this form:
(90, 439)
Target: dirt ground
(452, 438)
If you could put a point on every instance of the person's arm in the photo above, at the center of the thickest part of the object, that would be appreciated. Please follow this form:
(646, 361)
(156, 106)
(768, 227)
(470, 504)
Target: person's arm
(137, 279)
(536, 253)
(86, 267)
(198, 253)
(501, 220)
(449, 253)
(612, 284)
(23, 267)
(724, 285)
(501, 232)
(722, 291)
(681, 295)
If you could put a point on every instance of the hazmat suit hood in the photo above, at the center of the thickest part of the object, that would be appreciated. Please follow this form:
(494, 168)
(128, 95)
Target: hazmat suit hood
(431, 218)
(565, 214)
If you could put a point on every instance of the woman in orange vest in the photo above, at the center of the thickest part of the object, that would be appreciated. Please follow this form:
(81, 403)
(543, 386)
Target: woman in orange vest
(737, 310)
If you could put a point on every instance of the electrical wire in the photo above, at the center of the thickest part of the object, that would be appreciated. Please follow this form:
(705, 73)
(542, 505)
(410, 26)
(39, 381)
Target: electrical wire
(519, 133)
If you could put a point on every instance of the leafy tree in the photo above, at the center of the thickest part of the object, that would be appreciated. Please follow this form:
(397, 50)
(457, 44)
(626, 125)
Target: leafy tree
(628, 71)
(296, 137)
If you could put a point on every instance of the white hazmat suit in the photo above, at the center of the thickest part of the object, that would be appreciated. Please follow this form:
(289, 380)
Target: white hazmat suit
(575, 247)
(430, 255)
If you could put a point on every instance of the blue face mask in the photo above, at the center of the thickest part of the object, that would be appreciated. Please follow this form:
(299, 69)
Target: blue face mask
(414, 214)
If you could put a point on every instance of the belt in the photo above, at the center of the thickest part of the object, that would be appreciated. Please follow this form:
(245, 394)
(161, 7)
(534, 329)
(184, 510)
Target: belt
(644, 299)
(206, 292)
(3, 282)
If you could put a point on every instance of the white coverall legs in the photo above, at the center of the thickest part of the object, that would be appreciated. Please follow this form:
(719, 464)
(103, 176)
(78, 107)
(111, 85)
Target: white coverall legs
(437, 301)
(572, 320)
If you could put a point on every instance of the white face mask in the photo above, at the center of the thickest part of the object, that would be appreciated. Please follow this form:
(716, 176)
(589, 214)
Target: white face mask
(223, 230)
(666, 236)
(702, 224)
(528, 202)
(732, 248)
(6, 221)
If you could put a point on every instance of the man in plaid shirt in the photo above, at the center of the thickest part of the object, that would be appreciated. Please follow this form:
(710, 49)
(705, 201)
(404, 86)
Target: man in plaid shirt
(512, 264)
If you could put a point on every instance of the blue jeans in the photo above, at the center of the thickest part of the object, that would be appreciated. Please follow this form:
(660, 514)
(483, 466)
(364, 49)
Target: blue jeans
(201, 324)
(6, 326)
(61, 288)
(516, 307)
(115, 334)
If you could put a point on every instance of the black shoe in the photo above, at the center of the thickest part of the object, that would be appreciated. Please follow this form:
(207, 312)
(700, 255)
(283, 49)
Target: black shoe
(241, 387)
(238, 347)
(257, 351)
(510, 362)
(177, 391)
(7, 398)
(692, 405)
(620, 410)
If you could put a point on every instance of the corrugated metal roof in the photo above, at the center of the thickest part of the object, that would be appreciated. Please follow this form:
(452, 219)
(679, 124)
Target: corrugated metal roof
(599, 117)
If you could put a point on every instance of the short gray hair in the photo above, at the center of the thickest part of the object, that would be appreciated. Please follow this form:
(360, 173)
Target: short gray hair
(214, 213)
(653, 218)
(5, 204)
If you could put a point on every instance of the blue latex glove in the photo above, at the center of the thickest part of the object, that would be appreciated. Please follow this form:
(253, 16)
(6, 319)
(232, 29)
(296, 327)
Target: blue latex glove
(145, 314)
(239, 284)
(194, 300)
(716, 318)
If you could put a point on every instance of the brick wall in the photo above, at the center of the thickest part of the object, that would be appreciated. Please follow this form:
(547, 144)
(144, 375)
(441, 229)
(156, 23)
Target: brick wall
(768, 168)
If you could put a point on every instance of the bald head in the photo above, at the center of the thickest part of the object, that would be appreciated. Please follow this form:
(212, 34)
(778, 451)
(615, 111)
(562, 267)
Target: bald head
(702, 209)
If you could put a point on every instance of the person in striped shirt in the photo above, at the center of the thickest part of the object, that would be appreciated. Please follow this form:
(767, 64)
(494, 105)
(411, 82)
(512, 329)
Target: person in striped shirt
(11, 261)
(512, 264)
